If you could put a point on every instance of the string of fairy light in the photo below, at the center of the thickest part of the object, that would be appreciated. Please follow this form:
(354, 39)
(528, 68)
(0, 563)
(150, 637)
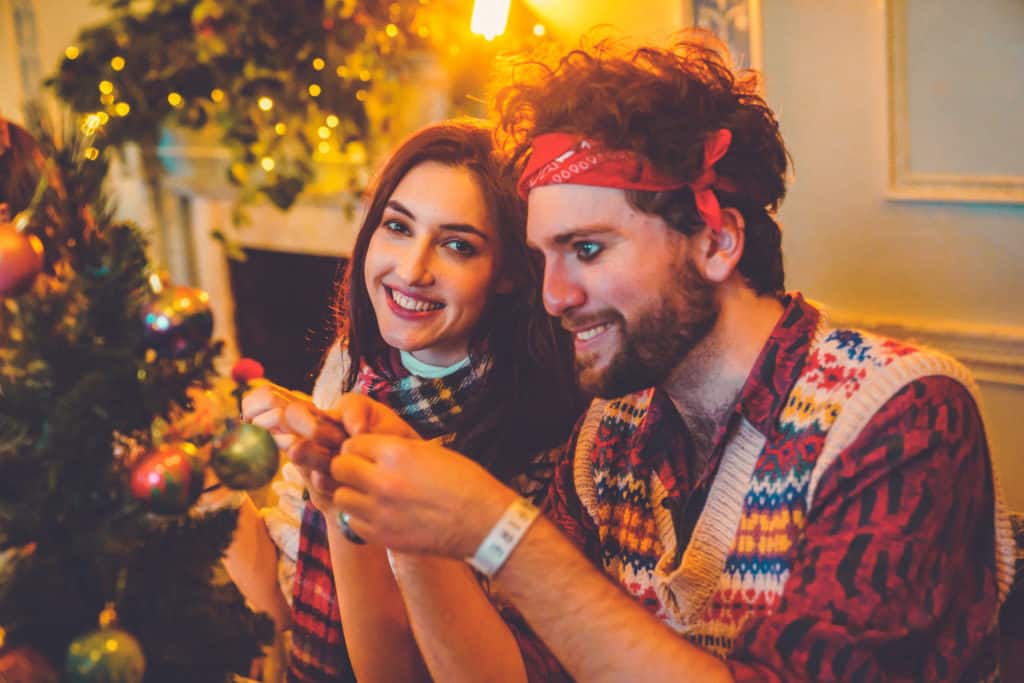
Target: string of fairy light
(489, 19)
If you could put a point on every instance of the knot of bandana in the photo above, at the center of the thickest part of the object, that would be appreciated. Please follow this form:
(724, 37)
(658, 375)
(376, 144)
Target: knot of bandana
(564, 158)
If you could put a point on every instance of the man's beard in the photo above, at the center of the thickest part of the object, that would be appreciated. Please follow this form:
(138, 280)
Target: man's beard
(657, 341)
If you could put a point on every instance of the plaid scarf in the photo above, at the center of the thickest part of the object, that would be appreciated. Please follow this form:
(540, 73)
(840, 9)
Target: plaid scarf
(430, 406)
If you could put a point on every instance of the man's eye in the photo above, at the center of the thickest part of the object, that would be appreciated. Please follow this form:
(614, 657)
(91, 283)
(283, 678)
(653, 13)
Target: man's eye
(587, 251)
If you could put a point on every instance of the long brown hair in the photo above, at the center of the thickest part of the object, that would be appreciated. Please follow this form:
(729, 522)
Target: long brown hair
(528, 399)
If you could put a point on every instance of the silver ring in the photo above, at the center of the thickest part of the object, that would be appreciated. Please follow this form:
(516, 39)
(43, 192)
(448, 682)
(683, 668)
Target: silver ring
(343, 520)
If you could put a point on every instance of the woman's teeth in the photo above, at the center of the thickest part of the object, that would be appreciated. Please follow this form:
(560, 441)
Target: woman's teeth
(591, 332)
(410, 304)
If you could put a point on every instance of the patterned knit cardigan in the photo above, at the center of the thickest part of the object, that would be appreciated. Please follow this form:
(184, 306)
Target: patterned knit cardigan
(739, 555)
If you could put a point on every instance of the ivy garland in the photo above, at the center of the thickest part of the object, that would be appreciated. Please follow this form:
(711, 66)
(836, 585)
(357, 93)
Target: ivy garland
(283, 85)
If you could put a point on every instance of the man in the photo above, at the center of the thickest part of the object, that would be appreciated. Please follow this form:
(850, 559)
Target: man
(799, 502)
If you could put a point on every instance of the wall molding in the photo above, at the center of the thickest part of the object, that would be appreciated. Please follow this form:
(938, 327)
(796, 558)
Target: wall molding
(994, 353)
(909, 184)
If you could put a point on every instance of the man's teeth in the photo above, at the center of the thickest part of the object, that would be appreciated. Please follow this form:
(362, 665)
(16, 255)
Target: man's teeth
(592, 332)
(410, 304)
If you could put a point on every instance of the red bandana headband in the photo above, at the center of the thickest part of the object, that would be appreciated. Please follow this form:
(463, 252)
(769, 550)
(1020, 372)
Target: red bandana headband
(564, 158)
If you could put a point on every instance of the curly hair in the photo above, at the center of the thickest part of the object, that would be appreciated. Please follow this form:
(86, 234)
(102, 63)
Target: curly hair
(662, 103)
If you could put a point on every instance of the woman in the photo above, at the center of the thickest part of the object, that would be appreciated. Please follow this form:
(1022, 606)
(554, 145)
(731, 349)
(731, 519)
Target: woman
(440, 317)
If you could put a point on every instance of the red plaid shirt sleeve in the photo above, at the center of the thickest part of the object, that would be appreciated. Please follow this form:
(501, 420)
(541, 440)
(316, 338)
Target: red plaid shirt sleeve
(895, 579)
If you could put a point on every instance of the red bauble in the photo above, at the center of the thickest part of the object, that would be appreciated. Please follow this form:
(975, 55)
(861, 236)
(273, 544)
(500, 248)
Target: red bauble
(246, 370)
(21, 259)
(169, 479)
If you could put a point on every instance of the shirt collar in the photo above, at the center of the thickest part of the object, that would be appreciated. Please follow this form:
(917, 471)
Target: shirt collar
(779, 364)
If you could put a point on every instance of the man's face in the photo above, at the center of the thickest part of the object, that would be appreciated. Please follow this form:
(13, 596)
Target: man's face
(622, 282)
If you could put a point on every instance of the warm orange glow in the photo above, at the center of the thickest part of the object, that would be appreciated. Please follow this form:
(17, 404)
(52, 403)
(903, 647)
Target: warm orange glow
(489, 17)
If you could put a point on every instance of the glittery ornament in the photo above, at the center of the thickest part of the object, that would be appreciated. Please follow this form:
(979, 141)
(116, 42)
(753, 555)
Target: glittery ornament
(246, 457)
(178, 321)
(106, 655)
(169, 479)
(21, 259)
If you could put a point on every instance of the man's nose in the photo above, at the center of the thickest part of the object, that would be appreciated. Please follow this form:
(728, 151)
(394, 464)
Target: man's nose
(561, 292)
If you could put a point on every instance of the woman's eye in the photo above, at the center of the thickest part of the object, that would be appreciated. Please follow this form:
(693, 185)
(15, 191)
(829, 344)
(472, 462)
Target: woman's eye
(587, 251)
(461, 247)
(394, 225)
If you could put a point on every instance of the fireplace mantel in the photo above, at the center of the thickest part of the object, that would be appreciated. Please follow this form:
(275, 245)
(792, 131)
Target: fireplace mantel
(199, 203)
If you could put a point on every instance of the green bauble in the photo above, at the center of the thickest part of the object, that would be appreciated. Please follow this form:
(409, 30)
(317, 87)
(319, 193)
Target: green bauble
(106, 655)
(246, 457)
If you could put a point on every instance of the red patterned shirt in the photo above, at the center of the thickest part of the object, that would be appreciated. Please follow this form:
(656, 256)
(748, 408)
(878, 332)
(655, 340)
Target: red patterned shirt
(888, 574)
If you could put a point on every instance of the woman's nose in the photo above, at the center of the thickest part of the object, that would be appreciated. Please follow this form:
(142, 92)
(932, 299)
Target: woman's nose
(414, 263)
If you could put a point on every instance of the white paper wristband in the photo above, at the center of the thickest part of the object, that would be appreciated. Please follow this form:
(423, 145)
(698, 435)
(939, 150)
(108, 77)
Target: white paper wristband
(504, 537)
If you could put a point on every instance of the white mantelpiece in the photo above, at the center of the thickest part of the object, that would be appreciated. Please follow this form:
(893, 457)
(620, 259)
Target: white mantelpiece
(200, 204)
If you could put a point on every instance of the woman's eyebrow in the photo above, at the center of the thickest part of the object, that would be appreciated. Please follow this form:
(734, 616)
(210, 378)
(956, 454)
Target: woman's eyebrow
(467, 228)
(400, 208)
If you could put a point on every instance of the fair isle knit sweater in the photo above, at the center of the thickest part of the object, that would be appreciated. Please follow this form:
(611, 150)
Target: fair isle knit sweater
(853, 528)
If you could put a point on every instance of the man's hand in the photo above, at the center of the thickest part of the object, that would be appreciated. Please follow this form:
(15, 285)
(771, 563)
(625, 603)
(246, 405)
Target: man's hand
(409, 494)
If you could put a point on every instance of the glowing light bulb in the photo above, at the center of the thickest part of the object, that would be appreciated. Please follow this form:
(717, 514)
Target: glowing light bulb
(489, 18)
(92, 154)
(365, 75)
(106, 87)
(267, 163)
(71, 52)
(175, 99)
(216, 95)
(117, 63)
(333, 121)
(280, 128)
(319, 64)
(265, 103)
(342, 71)
(324, 132)
(361, 95)
(539, 30)
(391, 30)
(315, 90)
(122, 108)
(324, 147)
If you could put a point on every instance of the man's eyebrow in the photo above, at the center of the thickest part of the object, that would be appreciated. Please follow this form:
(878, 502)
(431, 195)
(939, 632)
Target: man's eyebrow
(583, 232)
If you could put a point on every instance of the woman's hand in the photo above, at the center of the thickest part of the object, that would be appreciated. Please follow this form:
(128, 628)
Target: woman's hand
(267, 406)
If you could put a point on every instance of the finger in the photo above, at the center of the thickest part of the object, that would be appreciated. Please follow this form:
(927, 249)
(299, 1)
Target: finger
(354, 472)
(284, 440)
(322, 483)
(385, 448)
(314, 426)
(269, 419)
(258, 401)
(310, 455)
(360, 414)
(358, 505)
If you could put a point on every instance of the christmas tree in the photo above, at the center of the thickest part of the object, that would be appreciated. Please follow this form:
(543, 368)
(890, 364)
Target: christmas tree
(90, 358)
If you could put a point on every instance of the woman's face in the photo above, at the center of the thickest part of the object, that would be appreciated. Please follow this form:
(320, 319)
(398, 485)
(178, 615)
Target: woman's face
(431, 264)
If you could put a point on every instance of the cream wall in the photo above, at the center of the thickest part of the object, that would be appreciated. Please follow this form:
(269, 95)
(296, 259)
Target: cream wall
(951, 274)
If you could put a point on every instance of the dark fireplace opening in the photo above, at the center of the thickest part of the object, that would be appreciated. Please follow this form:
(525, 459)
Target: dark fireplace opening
(283, 314)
